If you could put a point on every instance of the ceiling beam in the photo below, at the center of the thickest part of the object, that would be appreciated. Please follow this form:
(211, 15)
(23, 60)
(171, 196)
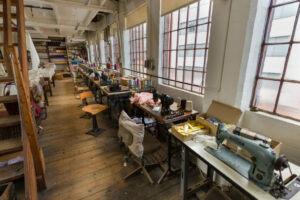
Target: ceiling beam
(57, 26)
(71, 4)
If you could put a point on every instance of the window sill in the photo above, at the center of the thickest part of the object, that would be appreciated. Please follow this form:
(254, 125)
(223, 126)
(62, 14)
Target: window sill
(181, 90)
(276, 117)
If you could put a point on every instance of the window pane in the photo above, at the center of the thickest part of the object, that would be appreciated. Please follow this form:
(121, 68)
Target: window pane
(183, 17)
(175, 20)
(181, 44)
(199, 62)
(297, 34)
(180, 59)
(173, 59)
(283, 23)
(174, 40)
(165, 75)
(191, 37)
(266, 94)
(179, 78)
(197, 78)
(166, 59)
(189, 59)
(172, 76)
(293, 68)
(282, 1)
(201, 36)
(193, 14)
(274, 61)
(167, 24)
(203, 11)
(289, 101)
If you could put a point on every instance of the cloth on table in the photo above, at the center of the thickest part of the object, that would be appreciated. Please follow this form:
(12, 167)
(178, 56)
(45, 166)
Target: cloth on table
(143, 98)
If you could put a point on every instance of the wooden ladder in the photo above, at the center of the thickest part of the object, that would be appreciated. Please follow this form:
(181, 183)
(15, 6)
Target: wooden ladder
(33, 167)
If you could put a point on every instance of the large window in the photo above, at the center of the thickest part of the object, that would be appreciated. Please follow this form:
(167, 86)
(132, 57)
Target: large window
(277, 85)
(185, 49)
(138, 49)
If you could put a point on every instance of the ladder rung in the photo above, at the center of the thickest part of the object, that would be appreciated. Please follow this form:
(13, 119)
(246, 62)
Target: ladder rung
(13, 2)
(14, 44)
(11, 172)
(8, 99)
(10, 145)
(6, 79)
(9, 120)
(13, 15)
(14, 29)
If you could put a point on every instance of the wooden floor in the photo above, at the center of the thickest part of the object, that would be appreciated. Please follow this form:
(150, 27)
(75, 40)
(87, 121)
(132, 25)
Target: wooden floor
(81, 166)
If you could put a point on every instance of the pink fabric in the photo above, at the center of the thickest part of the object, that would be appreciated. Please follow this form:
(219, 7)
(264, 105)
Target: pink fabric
(143, 98)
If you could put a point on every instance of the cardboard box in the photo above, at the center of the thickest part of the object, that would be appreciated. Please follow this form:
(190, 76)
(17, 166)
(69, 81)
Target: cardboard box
(221, 112)
(187, 137)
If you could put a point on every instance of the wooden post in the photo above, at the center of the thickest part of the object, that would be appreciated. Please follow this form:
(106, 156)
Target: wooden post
(7, 33)
(22, 41)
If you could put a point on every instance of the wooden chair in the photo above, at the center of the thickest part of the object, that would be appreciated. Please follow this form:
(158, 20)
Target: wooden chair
(94, 109)
(80, 89)
(152, 152)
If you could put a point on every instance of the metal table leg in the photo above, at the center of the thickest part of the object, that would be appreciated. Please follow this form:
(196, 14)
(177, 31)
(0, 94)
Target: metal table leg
(184, 174)
(169, 167)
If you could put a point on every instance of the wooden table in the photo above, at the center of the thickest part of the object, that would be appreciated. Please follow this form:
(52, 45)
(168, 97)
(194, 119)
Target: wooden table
(166, 125)
(216, 165)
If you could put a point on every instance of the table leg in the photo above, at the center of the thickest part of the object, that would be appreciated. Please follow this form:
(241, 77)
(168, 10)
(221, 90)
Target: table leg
(184, 173)
(169, 167)
(109, 107)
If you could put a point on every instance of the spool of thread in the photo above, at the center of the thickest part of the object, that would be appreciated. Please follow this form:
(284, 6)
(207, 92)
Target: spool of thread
(183, 104)
(189, 106)
(131, 83)
(138, 83)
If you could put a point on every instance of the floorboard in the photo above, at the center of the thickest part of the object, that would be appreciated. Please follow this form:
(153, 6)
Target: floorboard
(80, 166)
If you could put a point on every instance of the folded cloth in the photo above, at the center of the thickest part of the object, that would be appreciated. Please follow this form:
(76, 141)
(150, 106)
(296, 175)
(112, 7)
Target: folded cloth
(143, 98)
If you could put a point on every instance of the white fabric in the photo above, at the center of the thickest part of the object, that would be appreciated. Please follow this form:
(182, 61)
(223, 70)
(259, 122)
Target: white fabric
(136, 130)
(35, 59)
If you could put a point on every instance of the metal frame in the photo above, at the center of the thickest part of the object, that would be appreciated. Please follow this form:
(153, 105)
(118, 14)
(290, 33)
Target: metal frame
(264, 46)
(137, 49)
(167, 34)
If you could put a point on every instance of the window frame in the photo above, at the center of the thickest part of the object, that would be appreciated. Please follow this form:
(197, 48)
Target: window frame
(262, 57)
(168, 34)
(138, 52)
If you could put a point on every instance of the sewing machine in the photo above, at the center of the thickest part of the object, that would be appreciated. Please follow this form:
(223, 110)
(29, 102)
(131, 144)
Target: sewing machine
(166, 102)
(260, 169)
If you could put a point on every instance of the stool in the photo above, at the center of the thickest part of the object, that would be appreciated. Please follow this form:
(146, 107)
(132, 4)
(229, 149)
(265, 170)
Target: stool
(83, 97)
(79, 89)
(94, 109)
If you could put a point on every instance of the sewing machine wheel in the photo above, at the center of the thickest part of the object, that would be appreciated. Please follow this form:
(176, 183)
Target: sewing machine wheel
(281, 163)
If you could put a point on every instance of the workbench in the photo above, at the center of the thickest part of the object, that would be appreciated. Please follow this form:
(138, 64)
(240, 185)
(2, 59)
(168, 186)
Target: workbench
(166, 124)
(229, 174)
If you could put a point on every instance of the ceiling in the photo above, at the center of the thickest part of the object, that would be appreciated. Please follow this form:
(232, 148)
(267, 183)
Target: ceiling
(65, 18)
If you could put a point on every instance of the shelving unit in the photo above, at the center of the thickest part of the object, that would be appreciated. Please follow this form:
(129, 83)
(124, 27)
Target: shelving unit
(53, 51)
(58, 54)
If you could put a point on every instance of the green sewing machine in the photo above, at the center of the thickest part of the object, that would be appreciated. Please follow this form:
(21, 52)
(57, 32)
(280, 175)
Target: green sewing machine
(260, 169)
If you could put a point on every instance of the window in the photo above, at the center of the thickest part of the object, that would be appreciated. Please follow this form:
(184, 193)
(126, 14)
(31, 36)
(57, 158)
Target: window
(277, 84)
(185, 48)
(138, 49)
(116, 48)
